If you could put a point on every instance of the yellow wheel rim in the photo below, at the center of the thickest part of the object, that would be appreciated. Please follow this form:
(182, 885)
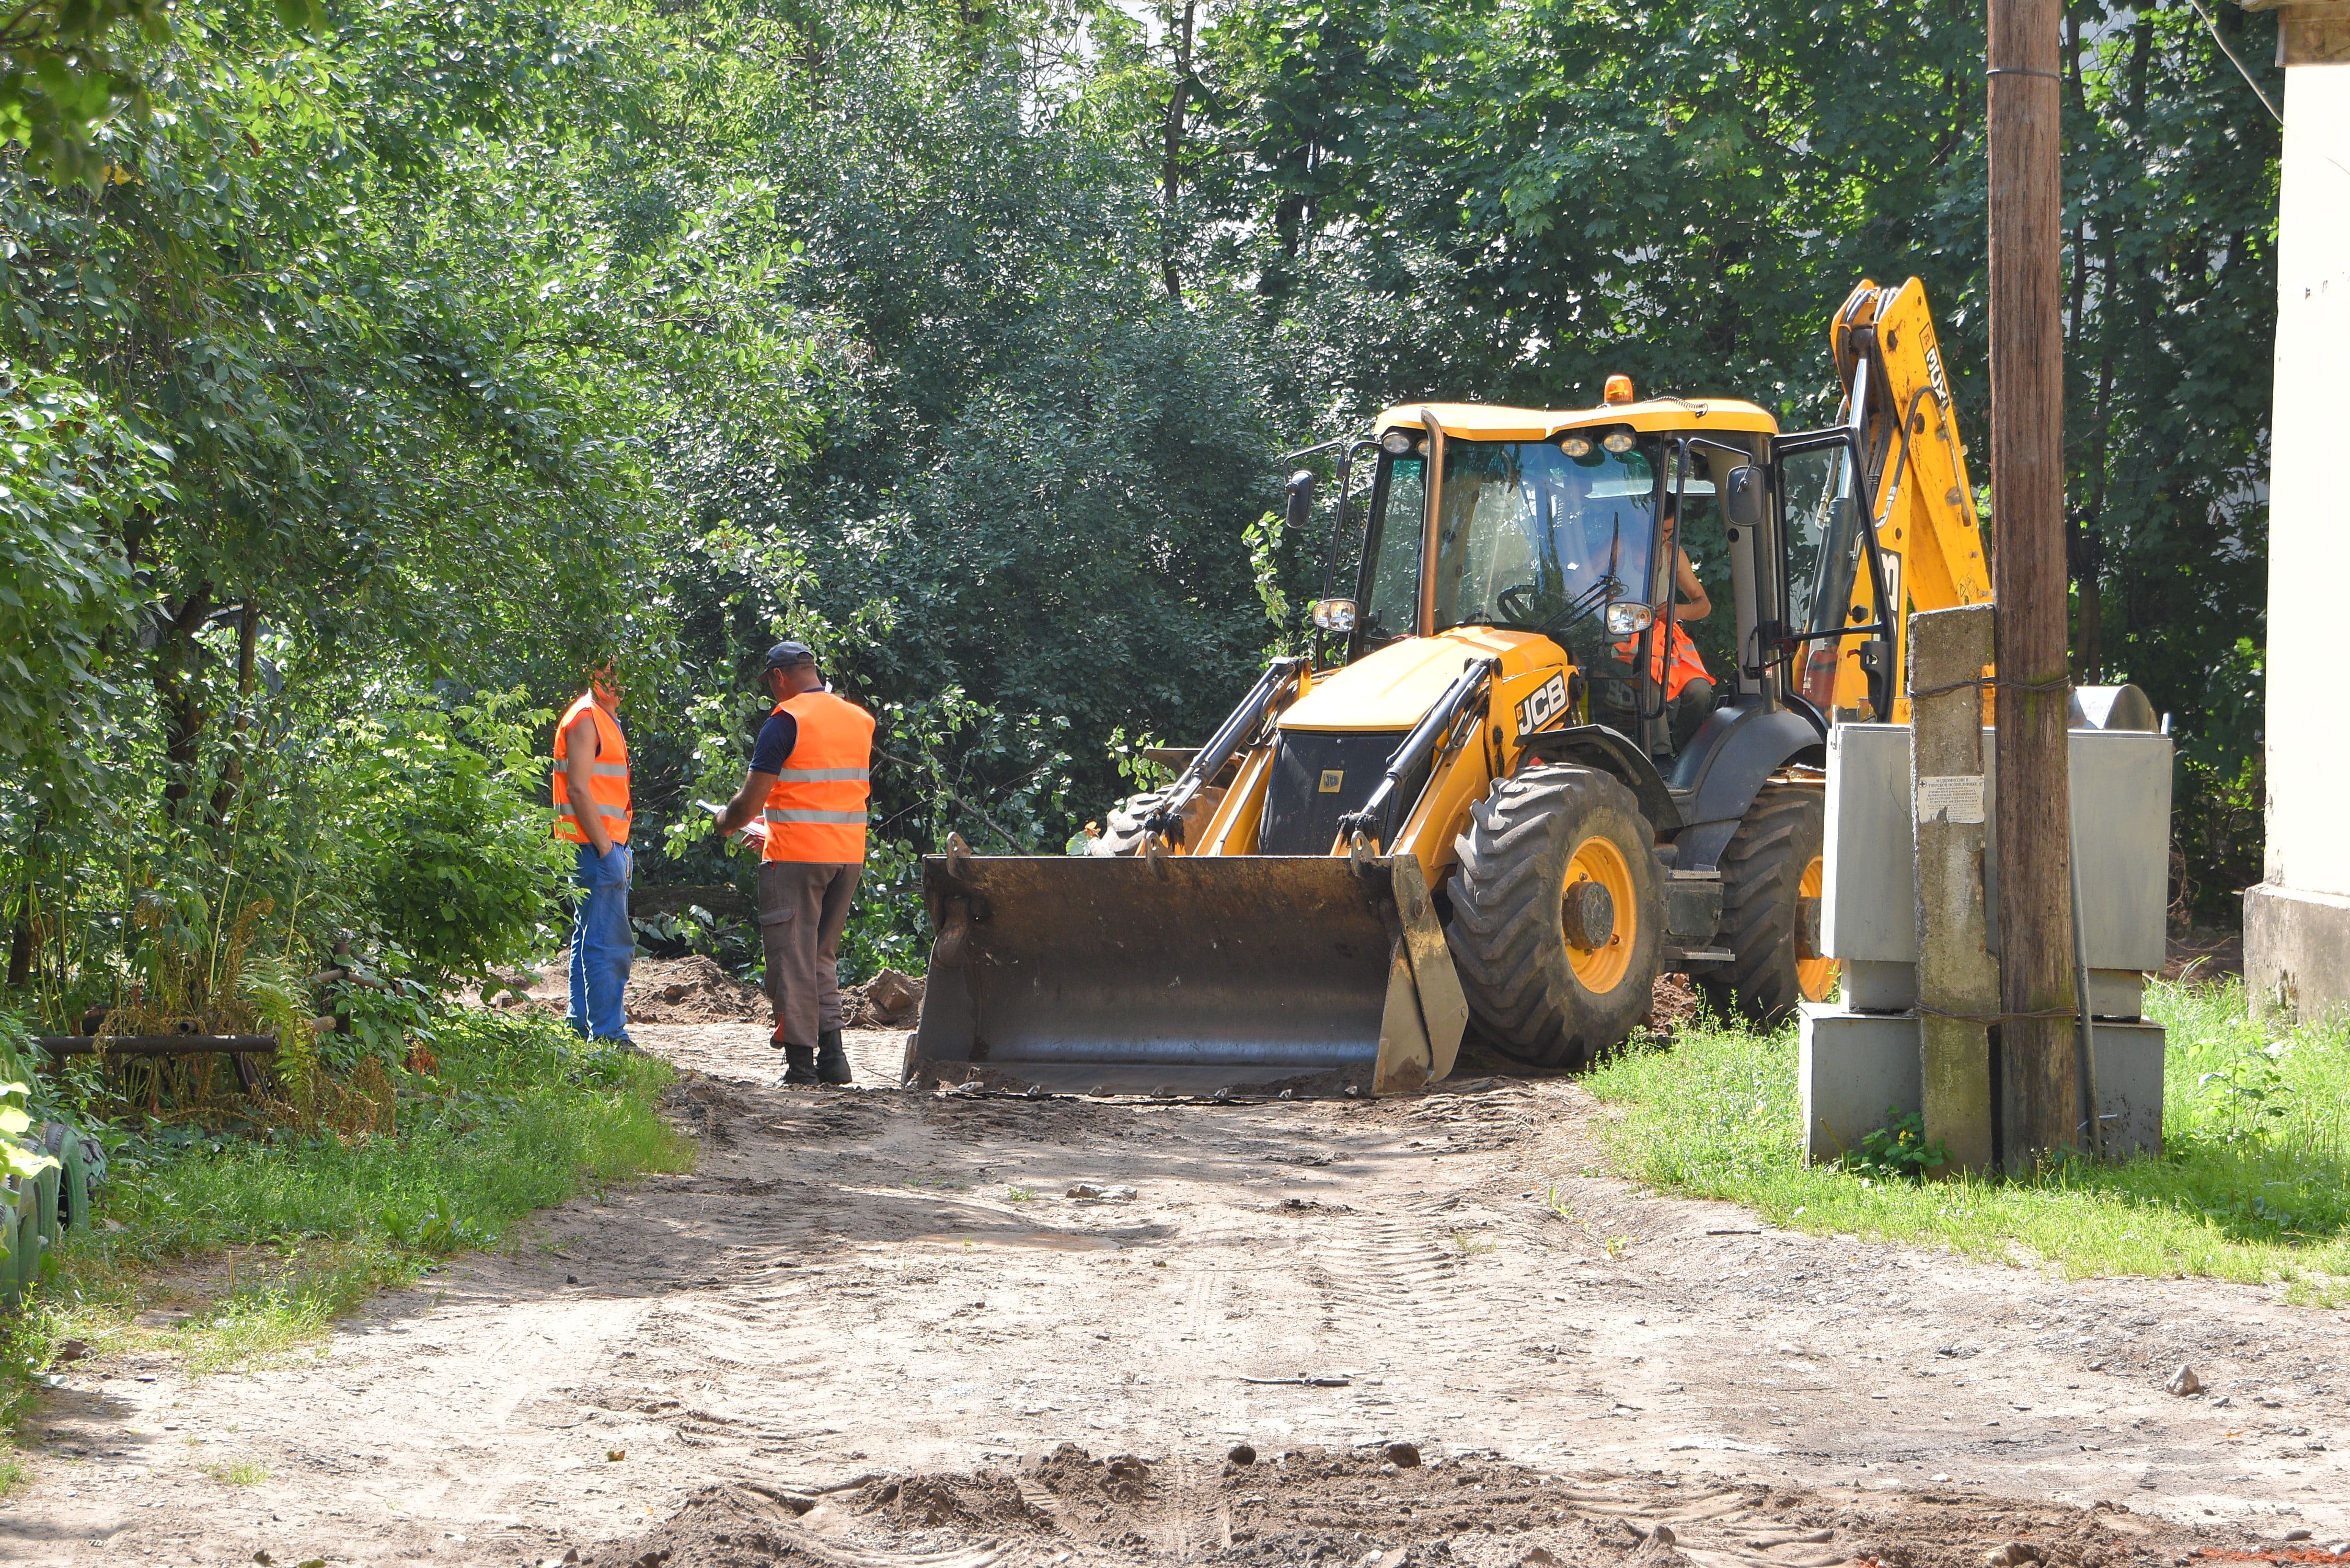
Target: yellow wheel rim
(1814, 977)
(1601, 968)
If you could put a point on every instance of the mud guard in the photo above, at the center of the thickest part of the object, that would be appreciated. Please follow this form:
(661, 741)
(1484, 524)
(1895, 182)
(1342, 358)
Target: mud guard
(1183, 974)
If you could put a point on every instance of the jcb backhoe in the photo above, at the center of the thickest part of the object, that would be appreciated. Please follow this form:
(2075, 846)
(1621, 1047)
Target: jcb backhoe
(1470, 805)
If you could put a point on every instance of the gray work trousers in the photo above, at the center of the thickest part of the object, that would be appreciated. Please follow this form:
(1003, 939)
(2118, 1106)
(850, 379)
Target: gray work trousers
(802, 909)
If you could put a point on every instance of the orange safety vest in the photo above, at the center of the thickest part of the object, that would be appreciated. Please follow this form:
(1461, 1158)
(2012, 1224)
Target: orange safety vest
(608, 777)
(1686, 664)
(817, 810)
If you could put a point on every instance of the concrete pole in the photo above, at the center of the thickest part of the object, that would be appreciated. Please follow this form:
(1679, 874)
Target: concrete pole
(1958, 980)
(2039, 1094)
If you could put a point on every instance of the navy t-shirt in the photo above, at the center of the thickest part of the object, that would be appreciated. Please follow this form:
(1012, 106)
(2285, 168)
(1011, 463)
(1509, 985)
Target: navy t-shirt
(778, 736)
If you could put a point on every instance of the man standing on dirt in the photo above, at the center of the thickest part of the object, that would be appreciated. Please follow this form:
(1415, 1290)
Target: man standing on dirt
(808, 784)
(591, 810)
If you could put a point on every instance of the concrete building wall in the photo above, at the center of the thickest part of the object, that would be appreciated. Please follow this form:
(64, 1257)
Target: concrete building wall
(2297, 921)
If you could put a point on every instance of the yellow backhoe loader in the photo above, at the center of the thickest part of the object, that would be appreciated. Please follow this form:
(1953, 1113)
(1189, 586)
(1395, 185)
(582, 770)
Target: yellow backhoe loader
(1479, 802)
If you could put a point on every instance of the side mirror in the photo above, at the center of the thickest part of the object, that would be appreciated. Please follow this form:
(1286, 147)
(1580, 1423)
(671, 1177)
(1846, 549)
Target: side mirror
(1743, 495)
(1334, 615)
(1625, 618)
(1301, 501)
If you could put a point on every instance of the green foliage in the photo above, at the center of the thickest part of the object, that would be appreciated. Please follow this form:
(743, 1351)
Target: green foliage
(18, 1158)
(71, 471)
(61, 75)
(2253, 1183)
(464, 871)
(2215, 826)
(1898, 1150)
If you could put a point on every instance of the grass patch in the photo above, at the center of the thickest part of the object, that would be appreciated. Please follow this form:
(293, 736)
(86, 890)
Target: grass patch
(242, 1472)
(263, 1241)
(2254, 1184)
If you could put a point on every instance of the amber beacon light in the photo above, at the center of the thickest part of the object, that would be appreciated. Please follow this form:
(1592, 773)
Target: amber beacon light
(1619, 389)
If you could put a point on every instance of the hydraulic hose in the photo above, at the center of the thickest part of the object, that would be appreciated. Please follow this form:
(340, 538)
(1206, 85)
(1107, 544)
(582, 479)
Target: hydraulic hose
(1168, 820)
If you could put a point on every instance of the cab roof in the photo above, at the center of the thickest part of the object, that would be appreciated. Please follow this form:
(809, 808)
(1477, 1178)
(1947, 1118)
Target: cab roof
(1493, 421)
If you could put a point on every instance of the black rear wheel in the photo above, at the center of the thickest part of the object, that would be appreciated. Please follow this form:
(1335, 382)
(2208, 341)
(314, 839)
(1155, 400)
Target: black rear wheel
(1557, 915)
(1772, 875)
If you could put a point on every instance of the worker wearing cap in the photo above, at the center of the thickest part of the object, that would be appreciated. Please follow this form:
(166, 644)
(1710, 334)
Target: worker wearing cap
(804, 799)
(590, 785)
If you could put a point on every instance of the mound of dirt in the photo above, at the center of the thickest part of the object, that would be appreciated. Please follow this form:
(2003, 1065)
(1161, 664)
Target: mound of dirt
(1348, 1507)
(692, 989)
(1673, 1003)
(988, 1504)
(723, 1527)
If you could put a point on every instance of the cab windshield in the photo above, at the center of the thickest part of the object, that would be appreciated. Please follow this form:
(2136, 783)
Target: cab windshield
(1531, 538)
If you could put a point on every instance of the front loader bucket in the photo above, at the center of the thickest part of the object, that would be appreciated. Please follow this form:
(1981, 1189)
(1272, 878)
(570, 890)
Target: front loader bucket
(1176, 974)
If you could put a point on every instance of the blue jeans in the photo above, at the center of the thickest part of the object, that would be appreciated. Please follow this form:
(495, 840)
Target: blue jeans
(602, 946)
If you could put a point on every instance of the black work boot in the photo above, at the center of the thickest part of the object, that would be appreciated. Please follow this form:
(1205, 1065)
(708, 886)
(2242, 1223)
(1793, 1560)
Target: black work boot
(831, 1061)
(803, 1065)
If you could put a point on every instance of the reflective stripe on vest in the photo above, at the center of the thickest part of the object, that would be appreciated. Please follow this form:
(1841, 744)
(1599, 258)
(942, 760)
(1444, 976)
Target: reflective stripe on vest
(816, 809)
(608, 777)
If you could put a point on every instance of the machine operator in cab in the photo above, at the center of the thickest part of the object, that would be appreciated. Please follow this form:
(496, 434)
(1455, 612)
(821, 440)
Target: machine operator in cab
(1675, 663)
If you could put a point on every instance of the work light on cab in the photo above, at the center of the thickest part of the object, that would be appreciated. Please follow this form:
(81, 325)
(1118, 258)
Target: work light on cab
(1334, 615)
(1398, 443)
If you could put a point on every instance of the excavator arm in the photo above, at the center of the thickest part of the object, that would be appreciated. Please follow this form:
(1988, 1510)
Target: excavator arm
(1913, 469)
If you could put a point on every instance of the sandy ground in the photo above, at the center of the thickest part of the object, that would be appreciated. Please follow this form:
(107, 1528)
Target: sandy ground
(868, 1284)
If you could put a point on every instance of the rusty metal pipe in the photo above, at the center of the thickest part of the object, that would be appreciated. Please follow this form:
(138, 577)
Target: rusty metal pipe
(157, 1044)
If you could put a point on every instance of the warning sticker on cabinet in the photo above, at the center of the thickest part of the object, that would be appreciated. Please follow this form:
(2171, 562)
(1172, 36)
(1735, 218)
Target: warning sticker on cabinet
(1951, 797)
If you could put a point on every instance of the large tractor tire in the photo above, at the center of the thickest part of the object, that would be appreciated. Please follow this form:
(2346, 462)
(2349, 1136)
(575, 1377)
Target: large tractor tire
(1557, 915)
(1122, 833)
(1775, 865)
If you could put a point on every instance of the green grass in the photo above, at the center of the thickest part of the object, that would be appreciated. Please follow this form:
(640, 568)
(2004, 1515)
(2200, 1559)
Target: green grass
(2254, 1184)
(241, 1472)
(265, 1241)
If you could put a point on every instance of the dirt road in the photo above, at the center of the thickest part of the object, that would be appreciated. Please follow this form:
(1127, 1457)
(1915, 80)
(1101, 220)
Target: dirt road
(876, 1282)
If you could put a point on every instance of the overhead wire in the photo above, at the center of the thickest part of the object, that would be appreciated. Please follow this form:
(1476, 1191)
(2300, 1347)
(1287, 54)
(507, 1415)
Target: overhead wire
(2241, 69)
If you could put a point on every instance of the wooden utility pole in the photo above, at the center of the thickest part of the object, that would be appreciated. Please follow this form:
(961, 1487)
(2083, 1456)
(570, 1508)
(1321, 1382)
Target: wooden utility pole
(2039, 1088)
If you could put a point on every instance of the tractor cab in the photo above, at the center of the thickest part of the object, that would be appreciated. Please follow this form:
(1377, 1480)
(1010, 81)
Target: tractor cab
(1571, 525)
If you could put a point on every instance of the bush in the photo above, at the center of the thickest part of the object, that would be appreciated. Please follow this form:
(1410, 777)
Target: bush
(463, 869)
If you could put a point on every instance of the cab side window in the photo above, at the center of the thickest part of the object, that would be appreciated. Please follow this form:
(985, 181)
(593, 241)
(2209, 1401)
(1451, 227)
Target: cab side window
(1390, 597)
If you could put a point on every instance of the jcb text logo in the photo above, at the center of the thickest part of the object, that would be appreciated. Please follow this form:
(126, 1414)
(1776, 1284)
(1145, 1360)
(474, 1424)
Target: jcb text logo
(1547, 702)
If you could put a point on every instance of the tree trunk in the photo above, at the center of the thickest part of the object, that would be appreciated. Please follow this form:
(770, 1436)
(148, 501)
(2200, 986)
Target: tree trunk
(183, 709)
(2040, 1097)
(232, 780)
(20, 943)
(1179, 99)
